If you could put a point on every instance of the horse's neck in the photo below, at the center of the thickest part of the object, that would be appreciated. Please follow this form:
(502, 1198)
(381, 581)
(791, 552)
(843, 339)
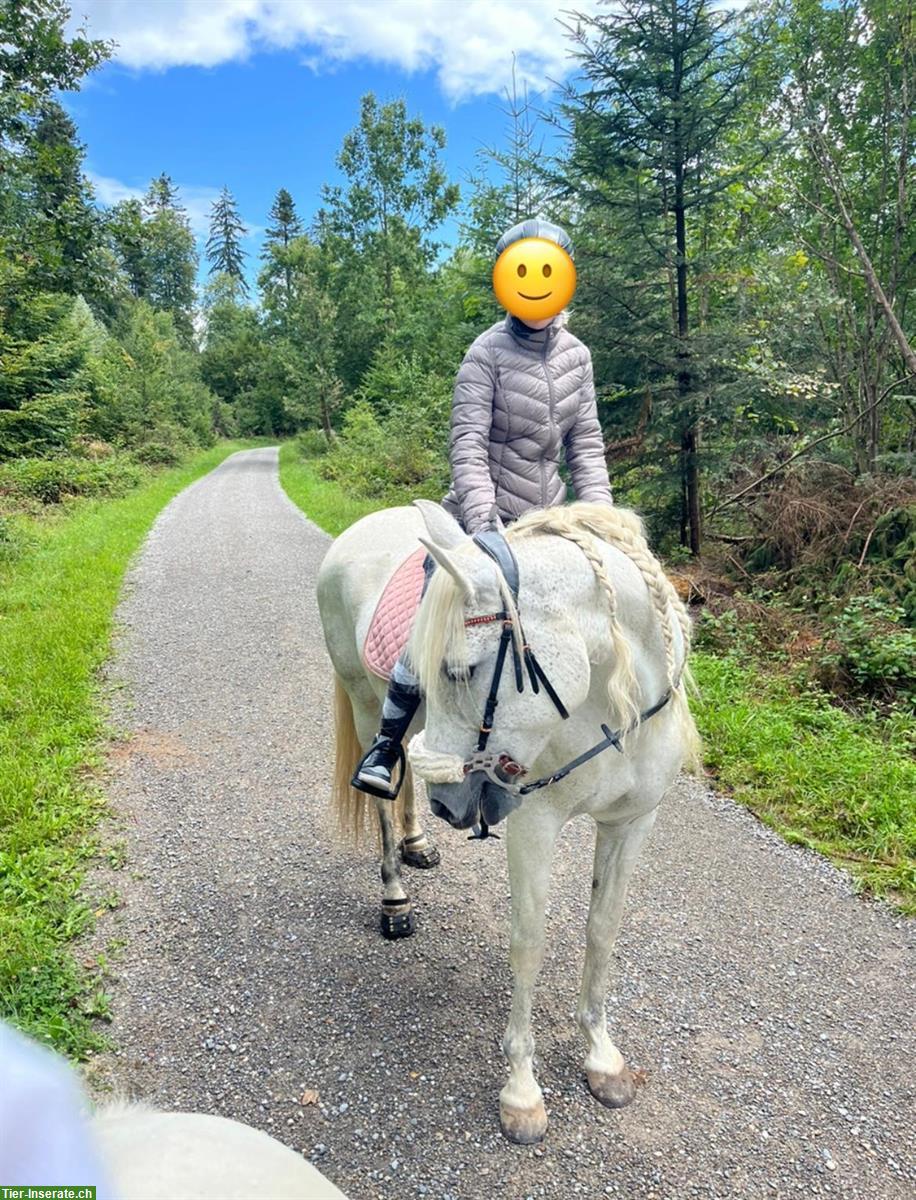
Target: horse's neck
(589, 608)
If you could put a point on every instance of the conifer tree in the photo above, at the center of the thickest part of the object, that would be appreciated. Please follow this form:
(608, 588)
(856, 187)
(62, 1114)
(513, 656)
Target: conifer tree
(169, 254)
(284, 227)
(285, 224)
(63, 228)
(161, 194)
(664, 82)
(224, 249)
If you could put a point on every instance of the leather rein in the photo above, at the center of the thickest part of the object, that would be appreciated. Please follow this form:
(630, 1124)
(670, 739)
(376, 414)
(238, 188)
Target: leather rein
(502, 769)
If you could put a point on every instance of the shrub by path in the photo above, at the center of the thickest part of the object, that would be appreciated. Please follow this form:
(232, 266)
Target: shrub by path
(770, 1009)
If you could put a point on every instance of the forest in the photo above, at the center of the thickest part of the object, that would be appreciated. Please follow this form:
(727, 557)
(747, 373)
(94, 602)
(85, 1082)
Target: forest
(739, 184)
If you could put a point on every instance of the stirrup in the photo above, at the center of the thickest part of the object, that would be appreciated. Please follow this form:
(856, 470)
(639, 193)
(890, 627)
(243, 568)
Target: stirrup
(360, 785)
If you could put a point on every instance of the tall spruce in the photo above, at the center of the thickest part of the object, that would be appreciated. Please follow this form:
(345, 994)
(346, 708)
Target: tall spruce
(169, 254)
(224, 245)
(663, 82)
(64, 225)
(285, 224)
(162, 194)
(284, 227)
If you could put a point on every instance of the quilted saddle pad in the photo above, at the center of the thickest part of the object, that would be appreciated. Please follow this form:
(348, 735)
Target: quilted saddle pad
(393, 616)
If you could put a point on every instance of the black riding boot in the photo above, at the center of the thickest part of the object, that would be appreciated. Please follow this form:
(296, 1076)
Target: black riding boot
(374, 769)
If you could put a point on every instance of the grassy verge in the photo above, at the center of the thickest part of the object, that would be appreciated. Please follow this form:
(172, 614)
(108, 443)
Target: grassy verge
(57, 596)
(813, 773)
(325, 503)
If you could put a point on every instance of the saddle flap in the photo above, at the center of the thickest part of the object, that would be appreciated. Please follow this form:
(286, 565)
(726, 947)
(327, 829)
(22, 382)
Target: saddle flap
(389, 628)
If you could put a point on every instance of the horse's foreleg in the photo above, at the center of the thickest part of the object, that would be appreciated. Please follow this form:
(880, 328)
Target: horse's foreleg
(416, 847)
(397, 915)
(616, 851)
(530, 844)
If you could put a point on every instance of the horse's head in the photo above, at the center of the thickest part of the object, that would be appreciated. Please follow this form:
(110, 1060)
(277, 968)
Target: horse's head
(456, 651)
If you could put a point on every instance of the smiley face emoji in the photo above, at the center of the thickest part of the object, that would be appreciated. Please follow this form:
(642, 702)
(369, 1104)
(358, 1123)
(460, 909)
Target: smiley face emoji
(534, 279)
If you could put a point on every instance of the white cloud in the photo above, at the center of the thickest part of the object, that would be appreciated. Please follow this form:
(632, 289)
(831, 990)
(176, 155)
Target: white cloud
(194, 198)
(469, 43)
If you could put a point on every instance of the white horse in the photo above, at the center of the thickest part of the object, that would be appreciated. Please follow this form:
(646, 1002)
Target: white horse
(611, 638)
(152, 1155)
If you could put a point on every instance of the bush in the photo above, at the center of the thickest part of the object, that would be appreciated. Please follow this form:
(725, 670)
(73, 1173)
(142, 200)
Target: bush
(869, 651)
(158, 454)
(390, 460)
(311, 443)
(50, 479)
(394, 438)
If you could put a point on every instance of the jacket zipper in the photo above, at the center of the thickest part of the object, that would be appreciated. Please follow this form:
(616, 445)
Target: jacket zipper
(550, 421)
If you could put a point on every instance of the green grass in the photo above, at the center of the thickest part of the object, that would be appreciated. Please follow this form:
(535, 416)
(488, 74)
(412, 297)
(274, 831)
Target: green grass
(813, 773)
(324, 502)
(58, 589)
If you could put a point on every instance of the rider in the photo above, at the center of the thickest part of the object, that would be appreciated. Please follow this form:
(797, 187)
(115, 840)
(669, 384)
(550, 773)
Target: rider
(523, 395)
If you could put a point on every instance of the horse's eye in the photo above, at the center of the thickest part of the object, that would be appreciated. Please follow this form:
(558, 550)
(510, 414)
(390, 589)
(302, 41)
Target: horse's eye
(460, 674)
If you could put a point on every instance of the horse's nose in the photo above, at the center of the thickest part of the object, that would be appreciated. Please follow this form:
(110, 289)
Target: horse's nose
(463, 804)
(457, 803)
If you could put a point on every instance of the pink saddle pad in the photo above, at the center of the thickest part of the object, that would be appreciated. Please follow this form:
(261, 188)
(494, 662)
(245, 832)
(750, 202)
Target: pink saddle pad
(393, 616)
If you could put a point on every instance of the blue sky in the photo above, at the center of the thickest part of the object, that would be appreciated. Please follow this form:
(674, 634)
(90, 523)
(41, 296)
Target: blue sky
(258, 94)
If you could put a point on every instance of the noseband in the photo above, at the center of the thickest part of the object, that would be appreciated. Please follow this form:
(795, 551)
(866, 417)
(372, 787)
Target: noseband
(501, 768)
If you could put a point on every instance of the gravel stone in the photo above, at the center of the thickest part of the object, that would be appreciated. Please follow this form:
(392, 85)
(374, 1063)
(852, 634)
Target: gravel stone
(771, 1009)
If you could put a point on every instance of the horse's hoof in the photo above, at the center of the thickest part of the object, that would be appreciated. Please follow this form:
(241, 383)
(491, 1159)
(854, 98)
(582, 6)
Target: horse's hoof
(422, 857)
(614, 1091)
(524, 1126)
(397, 919)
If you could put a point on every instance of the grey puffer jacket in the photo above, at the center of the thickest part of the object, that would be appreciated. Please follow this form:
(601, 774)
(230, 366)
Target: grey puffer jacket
(519, 403)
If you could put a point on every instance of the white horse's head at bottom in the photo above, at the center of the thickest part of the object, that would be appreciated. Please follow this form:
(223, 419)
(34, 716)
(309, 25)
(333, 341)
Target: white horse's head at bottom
(549, 695)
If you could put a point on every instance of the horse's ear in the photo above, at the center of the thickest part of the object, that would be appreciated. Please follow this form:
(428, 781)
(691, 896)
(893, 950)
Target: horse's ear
(445, 561)
(442, 527)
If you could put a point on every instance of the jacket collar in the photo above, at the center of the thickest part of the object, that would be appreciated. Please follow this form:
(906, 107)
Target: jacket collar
(535, 339)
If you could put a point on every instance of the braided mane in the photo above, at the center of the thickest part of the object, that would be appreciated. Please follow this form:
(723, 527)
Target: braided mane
(583, 523)
(439, 634)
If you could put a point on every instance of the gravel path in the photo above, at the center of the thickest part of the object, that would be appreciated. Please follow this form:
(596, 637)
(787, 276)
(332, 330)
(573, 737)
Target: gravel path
(770, 1009)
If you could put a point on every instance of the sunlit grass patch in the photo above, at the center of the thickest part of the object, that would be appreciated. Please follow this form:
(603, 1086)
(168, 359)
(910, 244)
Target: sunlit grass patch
(328, 504)
(59, 584)
(813, 772)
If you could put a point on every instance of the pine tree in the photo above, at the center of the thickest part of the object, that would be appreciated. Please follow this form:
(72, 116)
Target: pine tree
(224, 250)
(284, 228)
(285, 220)
(125, 226)
(665, 81)
(161, 194)
(62, 228)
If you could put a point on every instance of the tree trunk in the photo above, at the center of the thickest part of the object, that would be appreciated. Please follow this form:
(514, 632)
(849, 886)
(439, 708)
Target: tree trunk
(690, 474)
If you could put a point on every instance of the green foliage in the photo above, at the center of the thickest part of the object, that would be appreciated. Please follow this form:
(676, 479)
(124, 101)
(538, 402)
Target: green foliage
(392, 445)
(38, 59)
(45, 385)
(50, 479)
(159, 454)
(868, 649)
(57, 596)
(377, 231)
(311, 443)
(224, 245)
(813, 772)
(169, 256)
(154, 388)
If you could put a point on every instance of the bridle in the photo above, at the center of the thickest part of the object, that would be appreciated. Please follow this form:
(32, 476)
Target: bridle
(501, 768)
